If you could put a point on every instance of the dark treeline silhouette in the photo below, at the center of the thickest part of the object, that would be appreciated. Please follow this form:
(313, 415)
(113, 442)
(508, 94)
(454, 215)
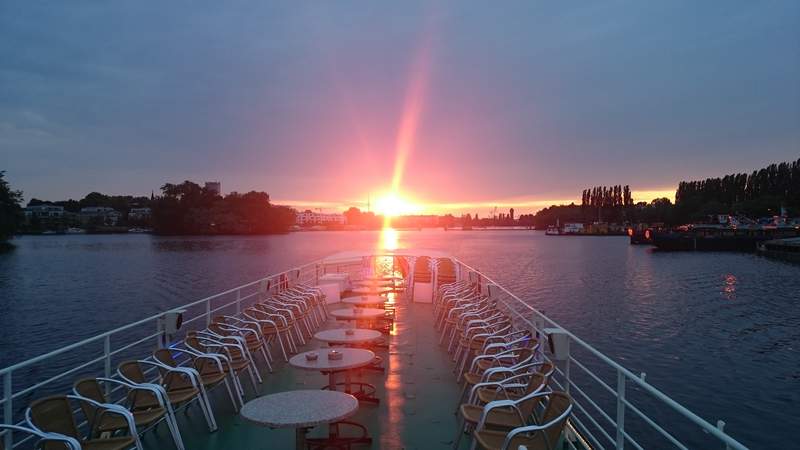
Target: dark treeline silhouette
(10, 210)
(121, 203)
(760, 193)
(188, 208)
(607, 196)
(366, 220)
(660, 210)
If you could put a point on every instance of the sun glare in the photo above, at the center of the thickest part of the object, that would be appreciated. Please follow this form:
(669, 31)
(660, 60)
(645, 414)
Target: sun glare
(391, 205)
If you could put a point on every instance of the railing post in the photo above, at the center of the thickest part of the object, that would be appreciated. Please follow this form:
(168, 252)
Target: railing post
(208, 312)
(620, 410)
(160, 338)
(238, 301)
(107, 361)
(8, 409)
(721, 427)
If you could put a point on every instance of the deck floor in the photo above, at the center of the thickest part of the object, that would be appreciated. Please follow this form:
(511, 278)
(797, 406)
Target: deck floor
(417, 397)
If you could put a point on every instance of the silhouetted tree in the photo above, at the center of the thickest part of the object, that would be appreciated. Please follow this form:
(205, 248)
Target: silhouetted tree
(10, 210)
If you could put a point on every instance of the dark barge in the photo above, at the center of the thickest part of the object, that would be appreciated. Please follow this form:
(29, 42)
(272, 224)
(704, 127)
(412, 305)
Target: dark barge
(720, 237)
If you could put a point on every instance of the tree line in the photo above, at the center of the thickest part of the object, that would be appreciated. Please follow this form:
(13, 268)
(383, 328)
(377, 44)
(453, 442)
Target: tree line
(188, 208)
(762, 192)
(10, 210)
(607, 196)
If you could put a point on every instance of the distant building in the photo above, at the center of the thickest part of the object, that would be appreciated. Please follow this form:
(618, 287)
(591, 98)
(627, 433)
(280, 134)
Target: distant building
(44, 211)
(106, 215)
(309, 217)
(139, 213)
(214, 186)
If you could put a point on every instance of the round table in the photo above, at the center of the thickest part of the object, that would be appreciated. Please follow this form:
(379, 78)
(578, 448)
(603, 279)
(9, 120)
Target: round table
(352, 358)
(365, 300)
(338, 336)
(357, 313)
(300, 410)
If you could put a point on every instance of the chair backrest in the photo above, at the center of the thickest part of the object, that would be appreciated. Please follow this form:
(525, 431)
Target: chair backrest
(536, 382)
(557, 404)
(164, 356)
(445, 271)
(54, 414)
(422, 270)
(193, 342)
(217, 328)
(547, 369)
(132, 371)
(91, 389)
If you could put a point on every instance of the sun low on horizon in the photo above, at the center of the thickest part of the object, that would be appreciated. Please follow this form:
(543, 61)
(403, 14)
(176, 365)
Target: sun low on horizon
(393, 204)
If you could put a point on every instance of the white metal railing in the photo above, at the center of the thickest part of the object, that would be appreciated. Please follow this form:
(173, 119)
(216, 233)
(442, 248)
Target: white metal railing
(601, 428)
(613, 434)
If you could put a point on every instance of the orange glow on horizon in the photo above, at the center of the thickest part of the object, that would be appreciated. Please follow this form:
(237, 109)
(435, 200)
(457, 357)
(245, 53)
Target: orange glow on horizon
(392, 204)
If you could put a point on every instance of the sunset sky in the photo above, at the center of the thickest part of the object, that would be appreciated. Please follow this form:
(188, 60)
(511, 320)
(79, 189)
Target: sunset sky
(457, 106)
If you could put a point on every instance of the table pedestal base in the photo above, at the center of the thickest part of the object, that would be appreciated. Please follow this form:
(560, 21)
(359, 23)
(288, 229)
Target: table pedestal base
(336, 440)
(365, 392)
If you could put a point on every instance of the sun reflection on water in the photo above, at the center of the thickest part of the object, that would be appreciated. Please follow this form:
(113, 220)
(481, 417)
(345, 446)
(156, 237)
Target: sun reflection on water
(388, 239)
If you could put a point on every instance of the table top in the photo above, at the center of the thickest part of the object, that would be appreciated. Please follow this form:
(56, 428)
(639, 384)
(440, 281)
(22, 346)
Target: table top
(366, 300)
(357, 313)
(300, 409)
(351, 359)
(338, 336)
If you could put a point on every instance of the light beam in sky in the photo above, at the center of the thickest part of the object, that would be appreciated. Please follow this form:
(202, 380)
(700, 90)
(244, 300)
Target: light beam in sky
(412, 111)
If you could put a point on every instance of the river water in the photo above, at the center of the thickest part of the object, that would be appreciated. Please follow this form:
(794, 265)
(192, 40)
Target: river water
(718, 332)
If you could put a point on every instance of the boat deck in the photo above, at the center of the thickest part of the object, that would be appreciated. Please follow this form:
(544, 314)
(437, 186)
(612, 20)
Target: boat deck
(417, 396)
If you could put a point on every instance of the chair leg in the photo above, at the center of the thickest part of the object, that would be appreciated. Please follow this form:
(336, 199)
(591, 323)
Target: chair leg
(299, 333)
(253, 364)
(230, 394)
(283, 350)
(173, 430)
(205, 406)
(252, 378)
(264, 351)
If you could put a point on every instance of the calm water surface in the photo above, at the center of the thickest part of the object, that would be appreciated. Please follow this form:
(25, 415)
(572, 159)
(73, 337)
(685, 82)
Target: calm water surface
(717, 331)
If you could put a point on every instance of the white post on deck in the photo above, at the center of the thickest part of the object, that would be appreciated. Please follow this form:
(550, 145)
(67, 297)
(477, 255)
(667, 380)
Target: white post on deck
(620, 410)
(107, 361)
(721, 427)
(8, 410)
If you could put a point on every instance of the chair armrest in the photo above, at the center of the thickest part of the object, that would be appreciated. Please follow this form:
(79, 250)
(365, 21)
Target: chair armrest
(487, 408)
(529, 428)
(106, 408)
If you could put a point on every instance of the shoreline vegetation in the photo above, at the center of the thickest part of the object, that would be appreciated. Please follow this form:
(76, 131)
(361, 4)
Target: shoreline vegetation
(190, 209)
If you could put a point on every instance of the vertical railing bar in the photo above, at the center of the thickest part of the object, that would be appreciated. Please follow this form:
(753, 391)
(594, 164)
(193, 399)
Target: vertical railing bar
(620, 410)
(208, 312)
(107, 361)
(238, 301)
(8, 409)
